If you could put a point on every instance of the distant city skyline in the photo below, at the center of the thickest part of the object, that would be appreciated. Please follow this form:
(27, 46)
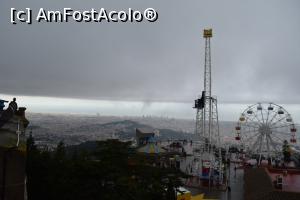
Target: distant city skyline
(183, 110)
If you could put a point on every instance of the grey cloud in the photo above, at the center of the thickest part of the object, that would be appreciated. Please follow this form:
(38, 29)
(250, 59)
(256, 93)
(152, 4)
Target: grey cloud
(255, 52)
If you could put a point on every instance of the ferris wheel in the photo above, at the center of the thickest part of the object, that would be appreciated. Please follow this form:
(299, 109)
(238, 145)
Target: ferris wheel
(263, 127)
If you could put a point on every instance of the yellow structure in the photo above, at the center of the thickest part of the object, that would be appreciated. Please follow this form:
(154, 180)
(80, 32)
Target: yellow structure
(185, 194)
(200, 197)
(207, 33)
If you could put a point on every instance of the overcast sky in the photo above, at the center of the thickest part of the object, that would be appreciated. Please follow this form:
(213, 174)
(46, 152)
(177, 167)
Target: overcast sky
(255, 54)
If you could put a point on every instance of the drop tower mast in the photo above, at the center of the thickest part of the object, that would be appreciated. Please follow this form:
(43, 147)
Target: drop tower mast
(207, 126)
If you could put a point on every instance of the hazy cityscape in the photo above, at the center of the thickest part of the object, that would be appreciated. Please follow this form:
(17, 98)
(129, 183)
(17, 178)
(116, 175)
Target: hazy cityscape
(49, 129)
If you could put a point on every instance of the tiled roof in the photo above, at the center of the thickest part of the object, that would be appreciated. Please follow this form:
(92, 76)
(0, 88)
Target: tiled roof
(142, 132)
(259, 186)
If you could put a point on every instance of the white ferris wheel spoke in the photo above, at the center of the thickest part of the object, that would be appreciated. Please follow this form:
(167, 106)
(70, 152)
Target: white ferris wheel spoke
(262, 116)
(260, 144)
(276, 113)
(251, 119)
(268, 145)
(258, 119)
(249, 131)
(279, 120)
(251, 137)
(281, 140)
(268, 116)
(256, 142)
(280, 132)
(272, 143)
(251, 125)
(282, 126)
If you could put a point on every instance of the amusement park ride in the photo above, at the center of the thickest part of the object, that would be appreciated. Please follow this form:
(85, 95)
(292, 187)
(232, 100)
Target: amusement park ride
(207, 126)
(263, 127)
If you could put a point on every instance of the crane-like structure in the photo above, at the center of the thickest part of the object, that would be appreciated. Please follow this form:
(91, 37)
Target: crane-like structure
(207, 126)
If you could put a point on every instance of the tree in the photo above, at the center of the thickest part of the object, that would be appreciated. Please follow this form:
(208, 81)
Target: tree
(113, 170)
(60, 152)
(286, 151)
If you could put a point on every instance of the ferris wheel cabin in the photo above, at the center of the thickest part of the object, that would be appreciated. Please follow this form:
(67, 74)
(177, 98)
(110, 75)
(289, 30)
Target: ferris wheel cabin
(280, 112)
(289, 118)
(242, 118)
(249, 112)
(270, 108)
(259, 107)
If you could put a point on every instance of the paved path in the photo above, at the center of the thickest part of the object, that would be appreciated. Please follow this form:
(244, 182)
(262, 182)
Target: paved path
(236, 183)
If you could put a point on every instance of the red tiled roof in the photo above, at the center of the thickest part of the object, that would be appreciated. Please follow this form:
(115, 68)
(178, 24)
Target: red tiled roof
(259, 186)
